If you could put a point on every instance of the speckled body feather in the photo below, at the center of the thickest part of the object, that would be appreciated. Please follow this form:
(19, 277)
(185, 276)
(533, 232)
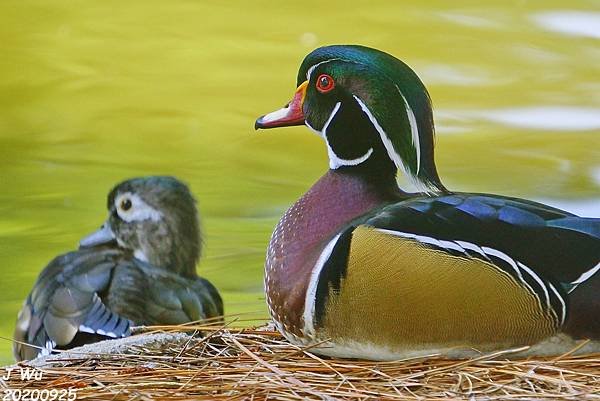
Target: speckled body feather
(138, 269)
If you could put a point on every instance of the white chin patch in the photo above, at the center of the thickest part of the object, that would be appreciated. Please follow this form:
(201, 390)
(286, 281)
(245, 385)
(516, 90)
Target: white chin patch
(334, 160)
(316, 131)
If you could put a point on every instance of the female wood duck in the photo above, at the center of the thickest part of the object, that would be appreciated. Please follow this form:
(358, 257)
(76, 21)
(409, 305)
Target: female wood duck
(138, 269)
(370, 271)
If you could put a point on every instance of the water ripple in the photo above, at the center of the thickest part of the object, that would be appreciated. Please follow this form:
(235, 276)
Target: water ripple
(551, 118)
(570, 22)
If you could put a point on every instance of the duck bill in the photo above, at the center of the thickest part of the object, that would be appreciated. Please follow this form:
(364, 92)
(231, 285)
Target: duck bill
(291, 114)
(103, 236)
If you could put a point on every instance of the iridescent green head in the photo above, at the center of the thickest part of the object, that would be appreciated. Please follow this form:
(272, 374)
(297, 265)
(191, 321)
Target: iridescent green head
(372, 110)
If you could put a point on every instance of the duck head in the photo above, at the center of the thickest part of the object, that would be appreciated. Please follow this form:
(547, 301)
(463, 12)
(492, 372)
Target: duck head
(372, 110)
(156, 219)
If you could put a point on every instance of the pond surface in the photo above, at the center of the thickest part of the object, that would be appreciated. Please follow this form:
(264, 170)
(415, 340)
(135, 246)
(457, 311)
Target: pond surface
(95, 92)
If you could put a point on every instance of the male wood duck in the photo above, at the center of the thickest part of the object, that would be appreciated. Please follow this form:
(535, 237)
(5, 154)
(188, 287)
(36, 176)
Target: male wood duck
(138, 269)
(367, 270)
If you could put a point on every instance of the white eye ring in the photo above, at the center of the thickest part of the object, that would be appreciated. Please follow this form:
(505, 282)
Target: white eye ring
(125, 204)
(131, 207)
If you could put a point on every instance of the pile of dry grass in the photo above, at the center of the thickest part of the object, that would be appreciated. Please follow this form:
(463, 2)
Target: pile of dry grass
(236, 364)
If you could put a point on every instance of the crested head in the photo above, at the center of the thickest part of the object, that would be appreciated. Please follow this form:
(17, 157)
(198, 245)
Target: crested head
(372, 110)
(156, 218)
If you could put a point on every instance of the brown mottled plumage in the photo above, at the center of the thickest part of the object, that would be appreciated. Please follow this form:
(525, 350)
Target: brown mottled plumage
(139, 268)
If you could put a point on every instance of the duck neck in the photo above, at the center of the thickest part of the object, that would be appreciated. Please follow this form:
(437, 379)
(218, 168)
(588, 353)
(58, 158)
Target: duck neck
(331, 204)
(171, 251)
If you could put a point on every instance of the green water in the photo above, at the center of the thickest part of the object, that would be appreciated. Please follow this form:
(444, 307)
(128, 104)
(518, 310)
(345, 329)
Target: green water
(95, 92)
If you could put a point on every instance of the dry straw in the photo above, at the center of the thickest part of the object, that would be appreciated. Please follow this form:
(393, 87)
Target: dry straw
(258, 364)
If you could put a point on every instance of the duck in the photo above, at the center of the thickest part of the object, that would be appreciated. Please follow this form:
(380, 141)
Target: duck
(359, 268)
(138, 269)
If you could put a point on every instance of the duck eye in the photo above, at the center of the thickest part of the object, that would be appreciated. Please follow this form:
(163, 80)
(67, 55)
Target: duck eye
(126, 204)
(325, 83)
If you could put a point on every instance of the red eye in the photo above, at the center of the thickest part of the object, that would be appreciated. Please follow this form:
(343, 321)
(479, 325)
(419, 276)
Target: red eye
(325, 83)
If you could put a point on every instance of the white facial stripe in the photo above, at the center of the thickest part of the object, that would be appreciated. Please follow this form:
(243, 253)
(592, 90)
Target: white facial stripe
(283, 112)
(394, 156)
(276, 115)
(384, 137)
(311, 292)
(138, 211)
(331, 116)
(319, 133)
(414, 129)
(485, 251)
(334, 160)
(312, 68)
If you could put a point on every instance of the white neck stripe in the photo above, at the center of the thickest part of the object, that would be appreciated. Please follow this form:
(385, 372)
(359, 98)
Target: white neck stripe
(394, 156)
(384, 137)
(414, 129)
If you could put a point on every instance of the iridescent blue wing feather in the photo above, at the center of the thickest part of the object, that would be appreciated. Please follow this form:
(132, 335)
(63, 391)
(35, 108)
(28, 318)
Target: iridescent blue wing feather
(557, 244)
